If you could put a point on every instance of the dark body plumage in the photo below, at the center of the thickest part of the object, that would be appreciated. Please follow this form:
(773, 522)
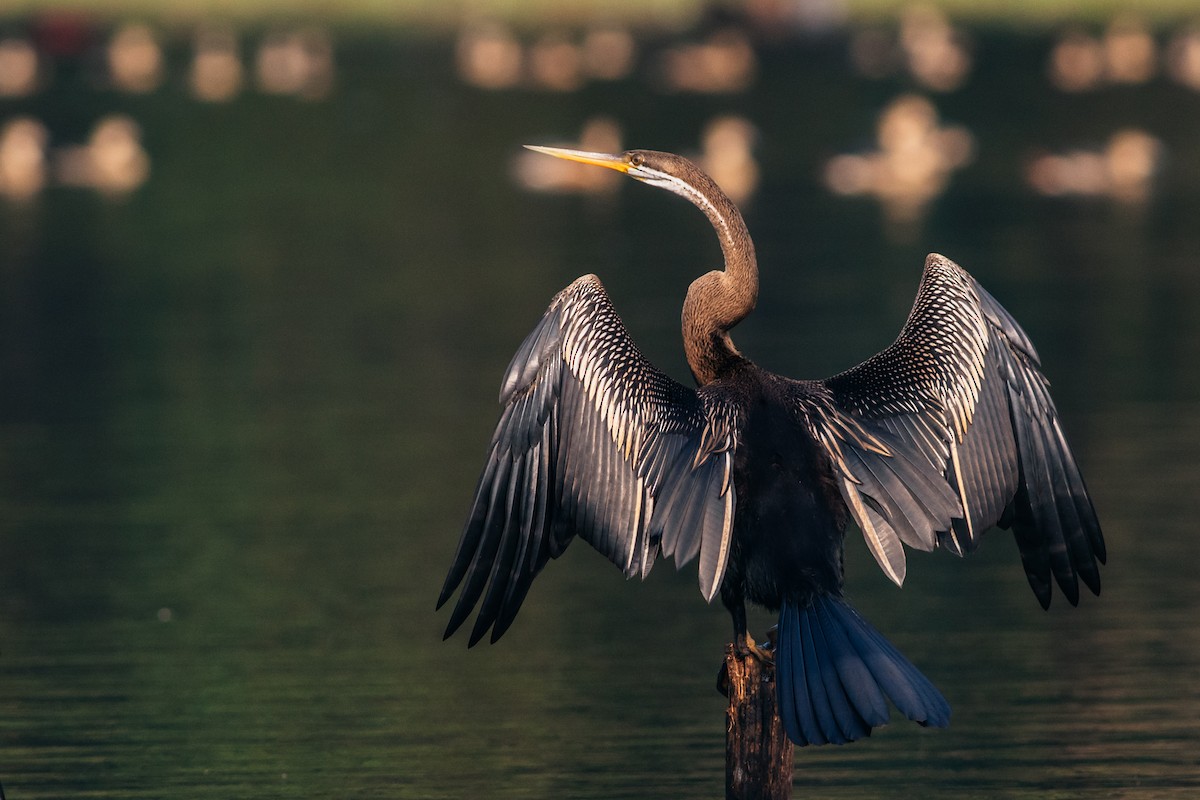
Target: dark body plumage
(946, 433)
(783, 481)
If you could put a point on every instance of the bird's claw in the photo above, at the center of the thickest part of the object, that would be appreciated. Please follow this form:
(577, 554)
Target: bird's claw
(746, 646)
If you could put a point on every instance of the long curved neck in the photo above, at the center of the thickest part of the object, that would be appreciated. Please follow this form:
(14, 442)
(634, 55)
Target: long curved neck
(718, 300)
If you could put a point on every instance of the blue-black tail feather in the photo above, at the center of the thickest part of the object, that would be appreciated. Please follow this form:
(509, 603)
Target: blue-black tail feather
(835, 674)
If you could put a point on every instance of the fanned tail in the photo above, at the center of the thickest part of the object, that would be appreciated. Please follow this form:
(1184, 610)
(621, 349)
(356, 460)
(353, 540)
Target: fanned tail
(835, 674)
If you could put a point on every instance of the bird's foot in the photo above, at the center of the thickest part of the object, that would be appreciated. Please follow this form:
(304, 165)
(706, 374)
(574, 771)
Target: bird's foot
(745, 646)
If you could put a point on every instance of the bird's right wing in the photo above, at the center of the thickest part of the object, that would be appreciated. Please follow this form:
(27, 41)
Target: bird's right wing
(592, 441)
(952, 430)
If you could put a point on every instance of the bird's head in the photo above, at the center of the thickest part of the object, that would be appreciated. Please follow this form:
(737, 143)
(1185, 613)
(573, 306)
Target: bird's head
(717, 300)
(665, 170)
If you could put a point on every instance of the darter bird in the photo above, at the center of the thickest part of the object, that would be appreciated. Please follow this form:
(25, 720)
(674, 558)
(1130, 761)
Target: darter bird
(947, 432)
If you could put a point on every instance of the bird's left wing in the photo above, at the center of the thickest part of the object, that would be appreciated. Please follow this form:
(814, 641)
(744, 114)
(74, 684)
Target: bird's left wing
(593, 441)
(952, 430)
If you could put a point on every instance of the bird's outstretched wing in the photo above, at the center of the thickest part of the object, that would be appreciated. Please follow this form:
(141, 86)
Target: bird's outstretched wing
(592, 441)
(952, 430)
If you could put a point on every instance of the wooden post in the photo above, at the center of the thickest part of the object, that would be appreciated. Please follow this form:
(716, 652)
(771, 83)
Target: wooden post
(758, 754)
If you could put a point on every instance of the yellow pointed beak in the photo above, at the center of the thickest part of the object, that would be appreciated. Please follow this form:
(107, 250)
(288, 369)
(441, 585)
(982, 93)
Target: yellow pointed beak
(595, 159)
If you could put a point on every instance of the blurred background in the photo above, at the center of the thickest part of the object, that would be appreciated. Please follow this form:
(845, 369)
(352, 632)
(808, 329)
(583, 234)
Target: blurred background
(262, 266)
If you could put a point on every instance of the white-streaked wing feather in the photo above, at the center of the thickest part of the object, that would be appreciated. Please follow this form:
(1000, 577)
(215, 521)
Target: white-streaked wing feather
(952, 430)
(592, 441)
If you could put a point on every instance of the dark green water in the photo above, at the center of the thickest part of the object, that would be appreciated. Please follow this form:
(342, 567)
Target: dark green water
(242, 413)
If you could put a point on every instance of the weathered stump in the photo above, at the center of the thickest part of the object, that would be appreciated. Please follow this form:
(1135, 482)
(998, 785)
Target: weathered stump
(758, 754)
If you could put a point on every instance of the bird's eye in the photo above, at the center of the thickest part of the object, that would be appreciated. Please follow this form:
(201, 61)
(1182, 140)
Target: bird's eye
(636, 159)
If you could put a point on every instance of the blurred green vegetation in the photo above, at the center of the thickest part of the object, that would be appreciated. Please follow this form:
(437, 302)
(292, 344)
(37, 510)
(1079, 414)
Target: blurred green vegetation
(416, 14)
